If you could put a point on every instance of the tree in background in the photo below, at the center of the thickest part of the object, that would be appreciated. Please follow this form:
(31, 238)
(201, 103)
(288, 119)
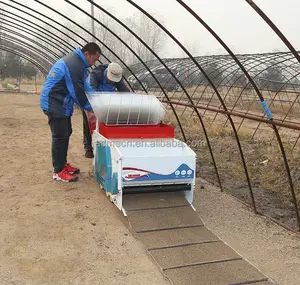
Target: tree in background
(149, 32)
(12, 66)
(192, 47)
(139, 23)
(9, 65)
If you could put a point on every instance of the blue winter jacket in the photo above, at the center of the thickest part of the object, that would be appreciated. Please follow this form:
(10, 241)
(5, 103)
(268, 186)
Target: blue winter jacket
(98, 81)
(66, 84)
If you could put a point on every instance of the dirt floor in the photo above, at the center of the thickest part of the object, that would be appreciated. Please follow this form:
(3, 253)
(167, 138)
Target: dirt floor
(54, 233)
(272, 249)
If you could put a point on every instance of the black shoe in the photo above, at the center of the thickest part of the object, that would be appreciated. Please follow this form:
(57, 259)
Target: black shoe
(89, 154)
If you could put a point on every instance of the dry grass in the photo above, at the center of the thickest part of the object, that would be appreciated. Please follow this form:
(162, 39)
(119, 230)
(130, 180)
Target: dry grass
(262, 155)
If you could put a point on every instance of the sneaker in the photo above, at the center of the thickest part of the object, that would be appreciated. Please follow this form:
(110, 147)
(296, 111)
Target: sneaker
(71, 169)
(89, 154)
(64, 176)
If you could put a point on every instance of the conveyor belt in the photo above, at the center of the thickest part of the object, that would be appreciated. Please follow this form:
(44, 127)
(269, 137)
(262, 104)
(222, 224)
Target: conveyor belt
(186, 251)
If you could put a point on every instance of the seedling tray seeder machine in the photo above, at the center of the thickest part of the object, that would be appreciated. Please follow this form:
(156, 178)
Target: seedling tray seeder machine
(134, 151)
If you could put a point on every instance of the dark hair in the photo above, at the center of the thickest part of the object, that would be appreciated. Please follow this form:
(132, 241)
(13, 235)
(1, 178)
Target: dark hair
(91, 48)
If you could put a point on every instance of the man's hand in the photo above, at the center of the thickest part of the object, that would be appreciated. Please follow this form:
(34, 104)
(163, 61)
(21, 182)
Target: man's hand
(91, 116)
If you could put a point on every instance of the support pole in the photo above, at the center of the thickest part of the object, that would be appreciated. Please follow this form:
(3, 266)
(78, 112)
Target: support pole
(93, 22)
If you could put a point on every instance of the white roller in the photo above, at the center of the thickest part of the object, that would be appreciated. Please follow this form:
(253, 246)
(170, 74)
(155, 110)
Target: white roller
(126, 108)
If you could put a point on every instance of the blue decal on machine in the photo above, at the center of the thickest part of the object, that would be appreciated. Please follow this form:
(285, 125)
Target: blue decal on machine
(103, 166)
(137, 174)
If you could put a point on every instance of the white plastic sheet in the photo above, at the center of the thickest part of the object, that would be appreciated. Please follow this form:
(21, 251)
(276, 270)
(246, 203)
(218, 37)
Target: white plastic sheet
(126, 108)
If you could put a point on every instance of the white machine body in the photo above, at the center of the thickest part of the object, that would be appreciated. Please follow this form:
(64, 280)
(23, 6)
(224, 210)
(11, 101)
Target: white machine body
(123, 165)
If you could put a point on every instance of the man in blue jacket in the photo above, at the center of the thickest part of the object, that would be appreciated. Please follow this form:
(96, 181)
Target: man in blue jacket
(65, 85)
(104, 78)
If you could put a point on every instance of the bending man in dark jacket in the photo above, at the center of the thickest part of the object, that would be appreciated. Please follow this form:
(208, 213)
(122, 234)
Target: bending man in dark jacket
(105, 78)
(65, 85)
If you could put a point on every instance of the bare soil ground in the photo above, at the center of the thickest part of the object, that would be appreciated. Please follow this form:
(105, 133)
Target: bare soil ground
(53, 233)
(268, 246)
